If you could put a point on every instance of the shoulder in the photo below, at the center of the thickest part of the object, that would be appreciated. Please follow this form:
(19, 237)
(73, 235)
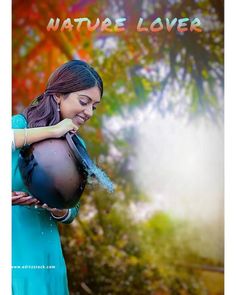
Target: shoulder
(18, 121)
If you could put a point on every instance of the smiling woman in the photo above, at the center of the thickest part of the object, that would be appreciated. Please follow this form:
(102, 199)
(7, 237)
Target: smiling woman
(72, 93)
(71, 90)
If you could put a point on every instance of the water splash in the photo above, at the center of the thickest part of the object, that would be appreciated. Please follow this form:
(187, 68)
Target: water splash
(101, 176)
(91, 167)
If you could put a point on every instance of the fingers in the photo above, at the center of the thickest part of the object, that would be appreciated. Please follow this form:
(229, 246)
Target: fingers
(15, 198)
(69, 123)
(45, 206)
(24, 200)
(19, 194)
(75, 127)
(27, 201)
(52, 210)
(33, 201)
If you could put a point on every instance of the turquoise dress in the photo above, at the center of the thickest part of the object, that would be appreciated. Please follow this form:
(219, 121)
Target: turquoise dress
(38, 265)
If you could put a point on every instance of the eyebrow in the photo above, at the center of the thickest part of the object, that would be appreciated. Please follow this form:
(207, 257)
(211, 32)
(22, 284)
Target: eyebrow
(89, 98)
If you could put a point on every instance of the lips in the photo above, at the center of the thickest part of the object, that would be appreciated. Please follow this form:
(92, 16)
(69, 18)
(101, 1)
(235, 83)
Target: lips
(79, 120)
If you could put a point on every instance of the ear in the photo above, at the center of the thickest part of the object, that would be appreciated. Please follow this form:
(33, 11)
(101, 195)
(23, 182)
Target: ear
(57, 97)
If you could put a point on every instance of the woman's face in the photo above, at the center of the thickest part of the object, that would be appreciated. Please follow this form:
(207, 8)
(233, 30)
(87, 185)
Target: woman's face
(79, 105)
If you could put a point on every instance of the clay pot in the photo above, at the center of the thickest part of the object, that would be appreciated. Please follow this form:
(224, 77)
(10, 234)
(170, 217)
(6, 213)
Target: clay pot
(53, 170)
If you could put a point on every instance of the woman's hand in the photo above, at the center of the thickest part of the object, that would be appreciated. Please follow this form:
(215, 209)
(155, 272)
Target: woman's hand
(56, 212)
(63, 127)
(22, 198)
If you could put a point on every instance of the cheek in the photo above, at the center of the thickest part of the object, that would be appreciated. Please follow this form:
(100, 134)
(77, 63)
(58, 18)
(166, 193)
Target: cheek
(70, 108)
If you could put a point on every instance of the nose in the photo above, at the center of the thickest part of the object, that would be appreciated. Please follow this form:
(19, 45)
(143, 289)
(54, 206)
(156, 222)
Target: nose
(89, 111)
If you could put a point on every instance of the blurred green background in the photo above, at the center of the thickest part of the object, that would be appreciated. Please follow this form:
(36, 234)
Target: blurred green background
(158, 134)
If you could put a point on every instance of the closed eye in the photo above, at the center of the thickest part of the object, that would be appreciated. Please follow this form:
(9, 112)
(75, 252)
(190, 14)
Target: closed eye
(83, 103)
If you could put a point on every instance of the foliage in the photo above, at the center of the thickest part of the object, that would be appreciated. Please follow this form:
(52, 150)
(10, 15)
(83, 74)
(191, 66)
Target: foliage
(111, 254)
(132, 64)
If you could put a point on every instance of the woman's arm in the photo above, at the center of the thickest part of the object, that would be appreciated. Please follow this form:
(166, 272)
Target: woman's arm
(31, 135)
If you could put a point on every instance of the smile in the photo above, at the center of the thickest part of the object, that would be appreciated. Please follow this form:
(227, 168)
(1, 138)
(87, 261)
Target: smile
(80, 119)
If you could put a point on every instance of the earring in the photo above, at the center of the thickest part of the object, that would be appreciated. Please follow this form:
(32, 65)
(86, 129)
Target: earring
(58, 107)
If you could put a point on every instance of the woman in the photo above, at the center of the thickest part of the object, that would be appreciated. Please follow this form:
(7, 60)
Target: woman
(71, 96)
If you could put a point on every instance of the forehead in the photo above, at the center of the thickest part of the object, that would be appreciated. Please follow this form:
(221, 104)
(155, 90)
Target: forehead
(93, 93)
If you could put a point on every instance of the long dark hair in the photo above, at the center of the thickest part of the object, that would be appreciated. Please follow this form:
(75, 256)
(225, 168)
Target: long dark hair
(72, 76)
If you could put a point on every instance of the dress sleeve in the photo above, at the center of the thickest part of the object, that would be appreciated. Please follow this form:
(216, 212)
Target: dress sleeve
(18, 122)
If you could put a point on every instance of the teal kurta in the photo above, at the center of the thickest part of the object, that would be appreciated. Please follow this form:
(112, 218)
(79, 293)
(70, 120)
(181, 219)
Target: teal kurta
(38, 265)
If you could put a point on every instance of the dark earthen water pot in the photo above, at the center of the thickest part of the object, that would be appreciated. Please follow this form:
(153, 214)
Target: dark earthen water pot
(53, 170)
